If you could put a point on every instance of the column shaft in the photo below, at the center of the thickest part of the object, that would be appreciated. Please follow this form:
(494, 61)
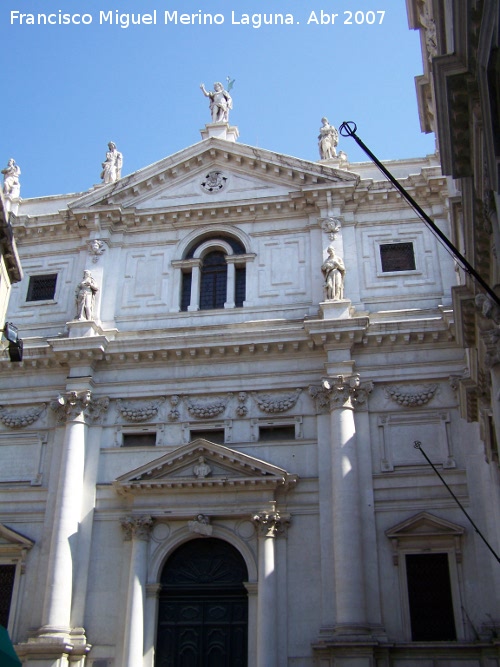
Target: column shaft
(266, 604)
(57, 607)
(347, 525)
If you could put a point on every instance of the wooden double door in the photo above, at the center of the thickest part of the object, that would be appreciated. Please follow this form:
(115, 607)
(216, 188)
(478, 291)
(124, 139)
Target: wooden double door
(203, 607)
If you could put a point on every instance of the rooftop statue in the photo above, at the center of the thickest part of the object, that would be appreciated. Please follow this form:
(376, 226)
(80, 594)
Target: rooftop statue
(328, 139)
(220, 102)
(112, 166)
(11, 185)
(333, 270)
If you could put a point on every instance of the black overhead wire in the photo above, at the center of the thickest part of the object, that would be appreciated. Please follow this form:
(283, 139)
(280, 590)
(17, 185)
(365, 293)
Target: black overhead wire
(348, 129)
(418, 445)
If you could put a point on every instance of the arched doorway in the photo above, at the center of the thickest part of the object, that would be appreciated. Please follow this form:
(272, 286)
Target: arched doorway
(203, 607)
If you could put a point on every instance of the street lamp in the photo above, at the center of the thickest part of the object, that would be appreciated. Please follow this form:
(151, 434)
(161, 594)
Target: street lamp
(11, 333)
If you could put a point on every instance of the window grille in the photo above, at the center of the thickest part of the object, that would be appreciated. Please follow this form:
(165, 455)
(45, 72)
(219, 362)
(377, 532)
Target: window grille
(240, 286)
(429, 596)
(397, 257)
(213, 285)
(7, 574)
(42, 287)
(186, 290)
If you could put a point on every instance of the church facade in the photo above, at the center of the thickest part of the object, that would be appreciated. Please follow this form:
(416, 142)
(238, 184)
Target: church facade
(214, 450)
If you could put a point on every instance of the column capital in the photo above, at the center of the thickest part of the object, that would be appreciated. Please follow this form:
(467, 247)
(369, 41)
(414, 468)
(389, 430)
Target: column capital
(270, 523)
(137, 527)
(79, 406)
(341, 392)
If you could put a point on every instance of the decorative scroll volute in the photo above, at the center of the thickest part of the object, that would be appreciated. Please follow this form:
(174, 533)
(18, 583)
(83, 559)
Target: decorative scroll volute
(79, 406)
(341, 392)
(270, 523)
(137, 527)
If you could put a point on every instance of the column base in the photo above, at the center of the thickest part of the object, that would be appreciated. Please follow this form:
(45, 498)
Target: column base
(55, 647)
(353, 652)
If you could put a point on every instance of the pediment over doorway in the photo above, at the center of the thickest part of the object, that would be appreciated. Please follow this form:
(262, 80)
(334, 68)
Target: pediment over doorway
(204, 464)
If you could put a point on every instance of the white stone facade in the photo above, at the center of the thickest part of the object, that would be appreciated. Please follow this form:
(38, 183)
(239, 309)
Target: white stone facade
(243, 409)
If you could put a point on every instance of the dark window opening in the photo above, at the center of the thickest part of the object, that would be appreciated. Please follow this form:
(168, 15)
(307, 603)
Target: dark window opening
(7, 574)
(186, 290)
(240, 287)
(213, 281)
(397, 257)
(429, 597)
(213, 435)
(42, 287)
(138, 439)
(268, 433)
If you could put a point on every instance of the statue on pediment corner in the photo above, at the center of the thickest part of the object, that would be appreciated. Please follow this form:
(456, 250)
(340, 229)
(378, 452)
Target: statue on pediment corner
(11, 184)
(333, 270)
(220, 102)
(328, 140)
(112, 166)
(85, 297)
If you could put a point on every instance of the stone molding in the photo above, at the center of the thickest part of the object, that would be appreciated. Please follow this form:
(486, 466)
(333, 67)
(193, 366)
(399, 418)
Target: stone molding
(341, 392)
(272, 403)
(96, 248)
(242, 409)
(19, 418)
(411, 397)
(139, 411)
(271, 523)
(201, 525)
(137, 527)
(331, 226)
(206, 407)
(79, 405)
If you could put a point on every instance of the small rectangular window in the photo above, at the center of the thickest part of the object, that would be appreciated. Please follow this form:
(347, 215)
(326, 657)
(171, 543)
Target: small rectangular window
(429, 597)
(271, 433)
(7, 574)
(138, 439)
(42, 287)
(397, 257)
(213, 435)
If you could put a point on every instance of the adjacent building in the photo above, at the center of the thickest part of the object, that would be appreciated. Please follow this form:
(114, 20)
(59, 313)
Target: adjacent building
(209, 447)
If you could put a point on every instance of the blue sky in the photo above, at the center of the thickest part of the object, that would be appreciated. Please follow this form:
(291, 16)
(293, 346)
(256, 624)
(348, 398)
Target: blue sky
(68, 90)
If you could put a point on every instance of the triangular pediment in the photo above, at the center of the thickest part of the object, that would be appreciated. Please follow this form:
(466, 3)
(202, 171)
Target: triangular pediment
(424, 525)
(181, 179)
(12, 541)
(202, 463)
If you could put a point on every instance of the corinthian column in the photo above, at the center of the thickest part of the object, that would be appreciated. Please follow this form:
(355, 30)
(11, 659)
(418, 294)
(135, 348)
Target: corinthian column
(269, 526)
(344, 395)
(74, 410)
(137, 530)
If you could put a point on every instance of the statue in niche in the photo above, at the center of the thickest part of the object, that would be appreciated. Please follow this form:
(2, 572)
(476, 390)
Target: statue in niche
(333, 270)
(328, 139)
(220, 102)
(85, 297)
(202, 469)
(112, 166)
(11, 184)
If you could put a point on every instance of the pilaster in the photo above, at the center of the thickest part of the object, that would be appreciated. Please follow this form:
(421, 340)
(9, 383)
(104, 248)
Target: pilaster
(137, 529)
